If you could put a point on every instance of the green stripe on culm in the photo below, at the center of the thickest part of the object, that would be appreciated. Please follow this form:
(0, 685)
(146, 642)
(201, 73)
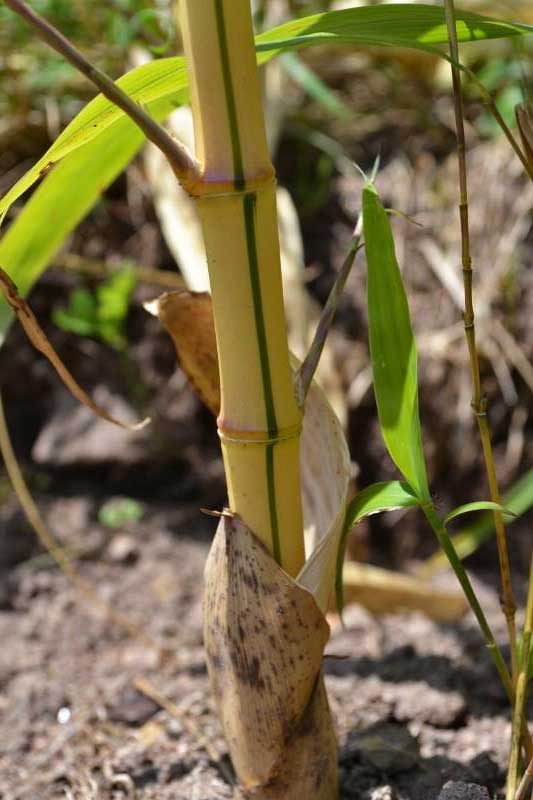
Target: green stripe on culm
(253, 266)
(272, 507)
(231, 106)
(249, 201)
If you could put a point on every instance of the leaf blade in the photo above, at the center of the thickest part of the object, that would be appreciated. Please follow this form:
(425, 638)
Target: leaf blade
(164, 81)
(402, 25)
(374, 499)
(480, 505)
(518, 499)
(58, 205)
(392, 347)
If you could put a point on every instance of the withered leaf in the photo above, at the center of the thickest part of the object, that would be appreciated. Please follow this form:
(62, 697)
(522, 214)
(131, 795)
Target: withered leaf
(188, 317)
(39, 340)
(381, 591)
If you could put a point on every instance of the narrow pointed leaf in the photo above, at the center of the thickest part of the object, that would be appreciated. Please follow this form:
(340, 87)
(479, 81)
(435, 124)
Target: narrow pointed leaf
(518, 499)
(482, 505)
(392, 347)
(59, 204)
(161, 85)
(403, 25)
(372, 500)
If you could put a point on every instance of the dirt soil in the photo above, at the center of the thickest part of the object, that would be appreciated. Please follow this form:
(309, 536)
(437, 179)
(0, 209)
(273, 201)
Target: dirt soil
(416, 704)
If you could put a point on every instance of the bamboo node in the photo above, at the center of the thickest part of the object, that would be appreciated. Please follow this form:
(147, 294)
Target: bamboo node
(259, 437)
(212, 187)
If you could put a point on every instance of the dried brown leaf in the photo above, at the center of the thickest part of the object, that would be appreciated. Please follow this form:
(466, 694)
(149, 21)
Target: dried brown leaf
(381, 591)
(39, 340)
(188, 317)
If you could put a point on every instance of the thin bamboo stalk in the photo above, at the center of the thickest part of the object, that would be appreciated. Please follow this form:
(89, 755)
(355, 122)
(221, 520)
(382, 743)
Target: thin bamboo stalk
(259, 422)
(479, 403)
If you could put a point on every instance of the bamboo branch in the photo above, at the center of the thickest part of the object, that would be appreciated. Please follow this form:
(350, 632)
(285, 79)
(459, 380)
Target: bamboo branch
(455, 562)
(310, 363)
(492, 108)
(479, 403)
(184, 166)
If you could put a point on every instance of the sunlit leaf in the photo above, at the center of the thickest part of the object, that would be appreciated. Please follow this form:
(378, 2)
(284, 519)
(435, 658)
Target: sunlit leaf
(482, 505)
(161, 85)
(59, 204)
(372, 500)
(392, 347)
(518, 499)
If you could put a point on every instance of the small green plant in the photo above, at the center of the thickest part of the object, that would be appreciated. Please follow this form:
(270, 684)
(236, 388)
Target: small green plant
(119, 511)
(101, 313)
(285, 456)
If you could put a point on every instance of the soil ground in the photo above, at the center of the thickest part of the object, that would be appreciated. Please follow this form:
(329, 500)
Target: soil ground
(416, 704)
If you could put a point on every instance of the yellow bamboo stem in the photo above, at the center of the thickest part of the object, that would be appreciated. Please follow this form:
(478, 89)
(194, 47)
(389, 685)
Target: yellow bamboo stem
(259, 422)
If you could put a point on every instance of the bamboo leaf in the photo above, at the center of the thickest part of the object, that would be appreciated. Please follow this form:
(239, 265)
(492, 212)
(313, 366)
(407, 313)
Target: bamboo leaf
(392, 347)
(518, 499)
(58, 205)
(372, 500)
(161, 85)
(402, 25)
(482, 505)
(379, 497)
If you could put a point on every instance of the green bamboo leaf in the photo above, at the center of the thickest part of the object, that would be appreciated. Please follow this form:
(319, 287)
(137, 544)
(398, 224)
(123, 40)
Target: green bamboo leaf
(59, 204)
(97, 145)
(372, 500)
(481, 505)
(159, 86)
(518, 499)
(163, 83)
(403, 25)
(392, 347)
